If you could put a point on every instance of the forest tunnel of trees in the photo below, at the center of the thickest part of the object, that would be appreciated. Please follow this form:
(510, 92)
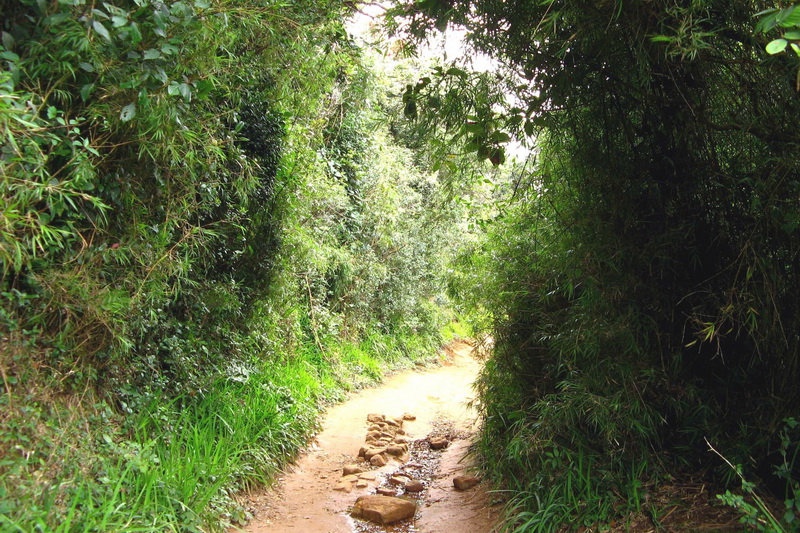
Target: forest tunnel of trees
(221, 215)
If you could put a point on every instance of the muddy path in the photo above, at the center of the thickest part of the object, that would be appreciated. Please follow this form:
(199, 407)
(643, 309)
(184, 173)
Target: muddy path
(313, 497)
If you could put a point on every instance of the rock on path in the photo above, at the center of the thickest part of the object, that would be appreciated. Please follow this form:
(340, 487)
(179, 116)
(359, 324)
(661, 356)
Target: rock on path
(383, 509)
(304, 500)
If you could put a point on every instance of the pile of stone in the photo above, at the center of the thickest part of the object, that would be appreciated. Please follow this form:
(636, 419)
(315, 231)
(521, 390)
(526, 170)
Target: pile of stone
(354, 476)
(385, 440)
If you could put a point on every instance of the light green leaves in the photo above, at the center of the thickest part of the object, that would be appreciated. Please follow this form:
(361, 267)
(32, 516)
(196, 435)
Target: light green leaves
(777, 46)
(169, 49)
(180, 89)
(781, 18)
(128, 112)
(100, 29)
(151, 54)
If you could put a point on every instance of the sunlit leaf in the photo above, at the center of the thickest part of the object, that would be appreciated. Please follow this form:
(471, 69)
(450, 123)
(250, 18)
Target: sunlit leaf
(789, 17)
(500, 137)
(101, 30)
(777, 46)
(128, 112)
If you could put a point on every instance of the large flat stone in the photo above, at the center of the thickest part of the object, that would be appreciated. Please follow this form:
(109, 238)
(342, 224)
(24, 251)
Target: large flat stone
(383, 509)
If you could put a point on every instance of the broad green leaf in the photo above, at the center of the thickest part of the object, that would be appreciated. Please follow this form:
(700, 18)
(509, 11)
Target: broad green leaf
(130, 84)
(114, 10)
(203, 87)
(777, 46)
(529, 127)
(100, 29)
(88, 67)
(8, 40)
(53, 20)
(86, 91)
(453, 71)
(500, 137)
(790, 17)
(152, 53)
(186, 91)
(119, 21)
(136, 35)
(474, 128)
(161, 75)
(793, 35)
(768, 22)
(128, 112)
(99, 13)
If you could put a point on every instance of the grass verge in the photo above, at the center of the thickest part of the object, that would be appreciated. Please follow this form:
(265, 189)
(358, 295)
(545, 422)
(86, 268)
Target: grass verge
(77, 465)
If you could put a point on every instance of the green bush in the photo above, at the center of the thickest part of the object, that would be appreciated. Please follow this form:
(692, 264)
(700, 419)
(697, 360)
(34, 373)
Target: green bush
(642, 282)
(208, 234)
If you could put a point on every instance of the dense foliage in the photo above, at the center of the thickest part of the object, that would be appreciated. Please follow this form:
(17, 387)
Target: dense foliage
(643, 286)
(207, 233)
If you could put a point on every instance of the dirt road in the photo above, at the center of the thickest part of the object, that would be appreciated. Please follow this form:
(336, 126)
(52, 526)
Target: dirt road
(306, 500)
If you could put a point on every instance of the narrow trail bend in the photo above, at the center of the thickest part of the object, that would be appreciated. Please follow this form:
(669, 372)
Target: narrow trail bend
(306, 498)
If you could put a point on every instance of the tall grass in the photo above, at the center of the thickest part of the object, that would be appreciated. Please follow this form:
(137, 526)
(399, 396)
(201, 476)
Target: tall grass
(178, 464)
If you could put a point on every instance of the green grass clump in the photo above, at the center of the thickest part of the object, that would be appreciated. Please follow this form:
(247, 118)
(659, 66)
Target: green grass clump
(177, 464)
